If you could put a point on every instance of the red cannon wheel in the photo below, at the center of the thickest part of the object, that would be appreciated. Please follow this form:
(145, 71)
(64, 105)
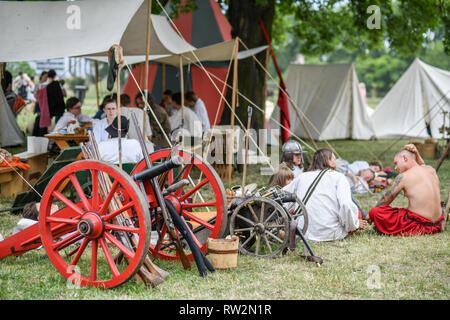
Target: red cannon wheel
(82, 238)
(205, 211)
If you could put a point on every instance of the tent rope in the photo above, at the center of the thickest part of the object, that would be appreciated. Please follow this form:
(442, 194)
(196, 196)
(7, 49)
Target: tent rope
(217, 89)
(260, 109)
(292, 102)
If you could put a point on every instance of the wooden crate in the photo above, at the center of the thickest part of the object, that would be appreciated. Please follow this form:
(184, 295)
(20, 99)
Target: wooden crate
(10, 182)
(37, 163)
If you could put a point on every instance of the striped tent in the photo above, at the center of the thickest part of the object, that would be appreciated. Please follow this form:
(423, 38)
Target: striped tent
(205, 26)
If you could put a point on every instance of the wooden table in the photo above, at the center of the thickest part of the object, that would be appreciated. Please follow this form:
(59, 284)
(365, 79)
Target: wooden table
(62, 140)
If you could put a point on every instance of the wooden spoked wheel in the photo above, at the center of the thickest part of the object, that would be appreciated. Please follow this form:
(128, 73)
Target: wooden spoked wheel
(111, 219)
(203, 202)
(262, 226)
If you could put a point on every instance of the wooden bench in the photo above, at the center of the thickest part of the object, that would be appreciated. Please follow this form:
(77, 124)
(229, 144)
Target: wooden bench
(37, 163)
(10, 182)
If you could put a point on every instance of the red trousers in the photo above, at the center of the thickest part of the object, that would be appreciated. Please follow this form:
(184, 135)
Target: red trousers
(402, 222)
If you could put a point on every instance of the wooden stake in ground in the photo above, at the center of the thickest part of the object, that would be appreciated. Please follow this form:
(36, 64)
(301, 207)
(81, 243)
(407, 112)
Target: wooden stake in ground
(247, 132)
(443, 156)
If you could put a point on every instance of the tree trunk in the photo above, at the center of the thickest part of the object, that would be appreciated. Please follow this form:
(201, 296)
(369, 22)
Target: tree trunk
(244, 17)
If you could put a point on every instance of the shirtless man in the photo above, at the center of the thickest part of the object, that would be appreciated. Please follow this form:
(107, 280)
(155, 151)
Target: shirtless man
(421, 186)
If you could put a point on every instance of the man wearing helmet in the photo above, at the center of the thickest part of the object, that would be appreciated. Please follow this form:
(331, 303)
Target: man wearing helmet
(292, 156)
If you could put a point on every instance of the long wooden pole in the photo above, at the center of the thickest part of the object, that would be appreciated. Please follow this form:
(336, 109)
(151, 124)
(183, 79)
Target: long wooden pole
(233, 108)
(163, 77)
(182, 97)
(119, 120)
(96, 83)
(147, 52)
(265, 88)
(244, 174)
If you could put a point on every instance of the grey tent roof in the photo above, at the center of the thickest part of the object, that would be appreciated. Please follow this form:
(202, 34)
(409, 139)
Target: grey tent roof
(330, 102)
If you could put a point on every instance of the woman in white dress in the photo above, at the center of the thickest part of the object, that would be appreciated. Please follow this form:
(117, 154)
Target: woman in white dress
(110, 108)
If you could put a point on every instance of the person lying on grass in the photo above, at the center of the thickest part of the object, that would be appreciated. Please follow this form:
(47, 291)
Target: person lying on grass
(332, 213)
(420, 185)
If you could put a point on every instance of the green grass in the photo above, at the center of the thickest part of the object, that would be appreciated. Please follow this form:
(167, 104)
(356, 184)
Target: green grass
(365, 265)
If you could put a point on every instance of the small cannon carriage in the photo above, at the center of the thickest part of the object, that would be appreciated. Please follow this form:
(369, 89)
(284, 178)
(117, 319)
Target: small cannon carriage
(266, 223)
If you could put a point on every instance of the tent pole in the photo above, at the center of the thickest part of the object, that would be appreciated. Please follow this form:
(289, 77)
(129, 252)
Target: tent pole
(119, 120)
(96, 83)
(147, 51)
(163, 77)
(182, 97)
(265, 88)
(233, 107)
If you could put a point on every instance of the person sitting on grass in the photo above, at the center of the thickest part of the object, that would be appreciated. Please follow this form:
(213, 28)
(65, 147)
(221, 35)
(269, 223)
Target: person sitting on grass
(420, 185)
(282, 177)
(332, 213)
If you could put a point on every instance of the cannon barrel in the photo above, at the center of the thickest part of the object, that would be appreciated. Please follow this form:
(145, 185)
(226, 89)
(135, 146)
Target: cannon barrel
(158, 169)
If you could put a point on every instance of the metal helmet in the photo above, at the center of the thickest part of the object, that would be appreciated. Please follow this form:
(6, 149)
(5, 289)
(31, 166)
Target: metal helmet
(290, 148)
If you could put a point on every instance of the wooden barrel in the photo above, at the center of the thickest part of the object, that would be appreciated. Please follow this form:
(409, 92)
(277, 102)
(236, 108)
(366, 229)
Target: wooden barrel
(223, 253)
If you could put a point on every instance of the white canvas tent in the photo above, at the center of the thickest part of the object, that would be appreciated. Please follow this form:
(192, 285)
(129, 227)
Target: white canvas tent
(418, 98)
(10, 133)
(101, 24)
(330, 103)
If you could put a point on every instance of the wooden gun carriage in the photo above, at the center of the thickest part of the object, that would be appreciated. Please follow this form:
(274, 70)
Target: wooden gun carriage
(108, 222)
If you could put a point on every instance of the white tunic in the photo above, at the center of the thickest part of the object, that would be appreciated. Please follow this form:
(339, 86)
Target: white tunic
(126, 112)
(131, 150)
(192, 124)
(331, 211)
(202, 114)
(99, 131)
(69, 116)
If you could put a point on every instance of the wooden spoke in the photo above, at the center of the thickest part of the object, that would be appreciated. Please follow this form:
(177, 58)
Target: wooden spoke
(113, 214)
(245, 219)
(95, 190)
(94, 259)
(249, 238)
(111, 193)
(267, 243)
(109, 258)
(67, 241)
(119, 245)
(249, 206)
(197, 219)
(80, 192)
(110, 226)
(200, 204)
(274, 236)
(80, 252)
(58, 195)
(194, 189)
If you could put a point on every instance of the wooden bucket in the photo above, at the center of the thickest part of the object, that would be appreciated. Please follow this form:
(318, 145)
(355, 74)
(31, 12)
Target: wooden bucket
(429, 150)
(223, 253)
